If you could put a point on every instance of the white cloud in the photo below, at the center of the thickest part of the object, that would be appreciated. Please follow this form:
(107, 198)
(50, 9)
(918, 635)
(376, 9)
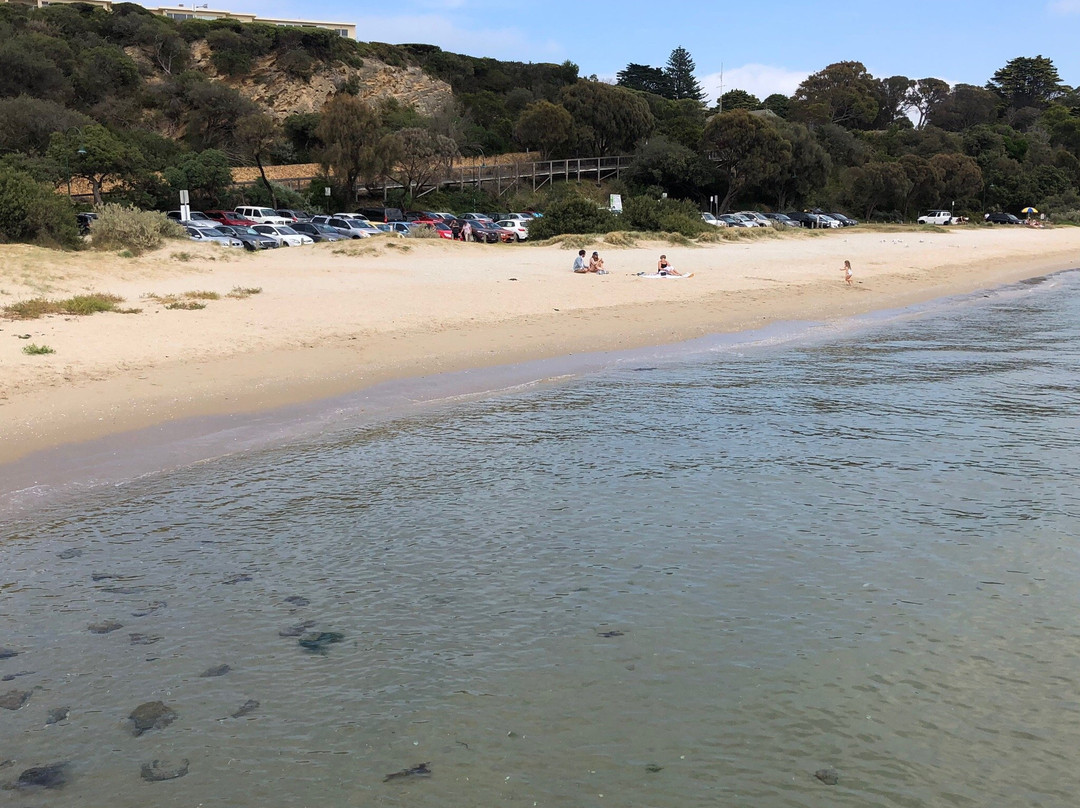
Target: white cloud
(459, 37)
(1064, 7)
(756, 79)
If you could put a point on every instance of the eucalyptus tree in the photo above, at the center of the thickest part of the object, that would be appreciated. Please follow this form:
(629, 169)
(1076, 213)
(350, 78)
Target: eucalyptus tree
(746, 150)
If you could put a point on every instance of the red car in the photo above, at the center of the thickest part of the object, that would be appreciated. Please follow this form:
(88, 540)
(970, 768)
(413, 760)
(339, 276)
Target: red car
(229, 217)
(441, 227)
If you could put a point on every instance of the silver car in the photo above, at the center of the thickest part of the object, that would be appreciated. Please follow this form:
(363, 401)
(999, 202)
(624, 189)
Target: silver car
(214, 235)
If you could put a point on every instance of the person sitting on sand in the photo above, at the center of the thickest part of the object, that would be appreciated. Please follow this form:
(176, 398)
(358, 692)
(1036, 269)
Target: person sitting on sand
(596, 264)
(579, 263)
(846, 269)
(663, 267)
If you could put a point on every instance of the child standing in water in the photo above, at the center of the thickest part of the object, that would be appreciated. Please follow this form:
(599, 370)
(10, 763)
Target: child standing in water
(846, 269)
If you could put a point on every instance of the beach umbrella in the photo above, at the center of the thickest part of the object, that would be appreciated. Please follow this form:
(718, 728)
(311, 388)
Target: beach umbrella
(1029, 209)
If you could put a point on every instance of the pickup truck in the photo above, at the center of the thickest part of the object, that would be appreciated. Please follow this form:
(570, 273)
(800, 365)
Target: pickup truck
(936, 217)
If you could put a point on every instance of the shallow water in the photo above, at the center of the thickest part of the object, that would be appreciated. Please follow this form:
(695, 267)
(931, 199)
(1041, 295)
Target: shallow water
(671, 583)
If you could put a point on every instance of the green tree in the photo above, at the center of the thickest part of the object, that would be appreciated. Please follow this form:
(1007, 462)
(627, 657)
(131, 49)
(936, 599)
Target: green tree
(746, 150)
(926, 96)
(680, 74)
(738, 99)
(961, 178)
(94, 154)
(31, 211)
(26, 123)
(646, 79)
(778, 104)
(843, 93)
(894, 100)
(965, 107)
(349, 131)
(545, 127)
(1027, 82)
(806, 169)
(607, 120)
(257, 136)
(877, 186)
(206, 175)
(416, 158)
(662, 166)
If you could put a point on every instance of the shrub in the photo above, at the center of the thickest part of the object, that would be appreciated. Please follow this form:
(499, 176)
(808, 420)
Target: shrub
(663, 216)
(573, 215)
(32, 212)
(119, 228)
(35, 350)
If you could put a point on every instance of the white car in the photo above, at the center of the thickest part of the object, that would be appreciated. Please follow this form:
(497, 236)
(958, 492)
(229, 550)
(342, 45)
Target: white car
(283, 234)
(936, 217)
(517, 226)
(761, 219)
(708, 218)
(262, 215)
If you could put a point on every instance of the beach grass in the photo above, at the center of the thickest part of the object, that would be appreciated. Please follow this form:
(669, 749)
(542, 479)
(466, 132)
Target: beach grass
(33, 349)
(80, 305)
(240, 292)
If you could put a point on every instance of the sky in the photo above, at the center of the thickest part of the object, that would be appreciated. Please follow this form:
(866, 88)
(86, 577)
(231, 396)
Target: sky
(760, 46)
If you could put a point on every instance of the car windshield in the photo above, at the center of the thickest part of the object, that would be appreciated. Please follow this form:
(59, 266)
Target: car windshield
(287, 231)
(247, 231)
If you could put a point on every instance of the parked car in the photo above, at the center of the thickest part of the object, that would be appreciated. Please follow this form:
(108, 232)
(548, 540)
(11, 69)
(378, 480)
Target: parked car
(319, 231)
(285, 235)
(350, 228)
(252, 239)
(936, 217)
(432, 227)
(708, 218)
(382, 214)
(846, 221)
(193, 216)
(516, 226)
(827, 220)
(783, 219)
(262, 215)
(484, 230)
(214, 235)
(1002, 218)
(807, 219)
(476, 217)
(402, 229)
(229, 217)
(761, 219)
(295, 215)
(731, 220)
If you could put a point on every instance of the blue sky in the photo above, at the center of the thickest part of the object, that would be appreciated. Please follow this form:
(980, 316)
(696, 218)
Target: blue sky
(763, 46)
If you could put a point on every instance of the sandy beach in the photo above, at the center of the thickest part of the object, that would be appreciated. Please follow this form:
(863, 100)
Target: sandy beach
(334, 318)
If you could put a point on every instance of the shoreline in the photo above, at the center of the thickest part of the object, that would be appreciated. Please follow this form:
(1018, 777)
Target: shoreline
(311, 342)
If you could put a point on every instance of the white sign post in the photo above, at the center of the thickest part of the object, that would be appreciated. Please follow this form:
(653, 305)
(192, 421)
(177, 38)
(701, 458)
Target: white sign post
(616, 203)
(185, 206)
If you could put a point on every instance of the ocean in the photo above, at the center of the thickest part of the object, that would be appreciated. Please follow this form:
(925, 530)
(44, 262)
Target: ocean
(820, 565)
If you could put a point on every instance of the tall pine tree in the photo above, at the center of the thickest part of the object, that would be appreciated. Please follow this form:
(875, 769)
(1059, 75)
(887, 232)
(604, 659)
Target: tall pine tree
(680, 72)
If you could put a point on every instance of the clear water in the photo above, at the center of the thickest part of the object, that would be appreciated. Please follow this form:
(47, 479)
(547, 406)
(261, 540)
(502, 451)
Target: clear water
(683, 584)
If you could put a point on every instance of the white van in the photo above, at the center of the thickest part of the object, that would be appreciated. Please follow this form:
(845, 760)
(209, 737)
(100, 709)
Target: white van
(263, 215)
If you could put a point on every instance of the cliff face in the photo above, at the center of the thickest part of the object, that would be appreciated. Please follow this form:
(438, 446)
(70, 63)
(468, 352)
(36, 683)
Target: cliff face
(283, 95)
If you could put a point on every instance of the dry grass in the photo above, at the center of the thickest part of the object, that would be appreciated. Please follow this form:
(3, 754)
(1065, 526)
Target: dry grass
(79, 305)
(240, 292)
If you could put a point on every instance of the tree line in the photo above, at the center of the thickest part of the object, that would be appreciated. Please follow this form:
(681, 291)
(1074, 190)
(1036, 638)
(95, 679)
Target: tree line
(117, 100)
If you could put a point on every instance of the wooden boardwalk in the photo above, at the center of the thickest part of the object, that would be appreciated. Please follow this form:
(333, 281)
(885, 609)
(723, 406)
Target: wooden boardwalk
(502, 174)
